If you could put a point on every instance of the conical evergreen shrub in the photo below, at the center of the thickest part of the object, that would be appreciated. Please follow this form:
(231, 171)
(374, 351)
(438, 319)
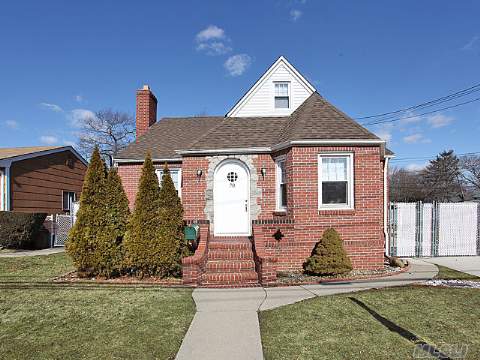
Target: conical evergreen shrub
(171, 218)
(82, 239)
(143, 245)
(328, 256)
(109, 250)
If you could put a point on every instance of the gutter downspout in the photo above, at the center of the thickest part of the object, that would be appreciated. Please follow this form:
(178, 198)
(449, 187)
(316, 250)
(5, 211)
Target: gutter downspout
(385, 205)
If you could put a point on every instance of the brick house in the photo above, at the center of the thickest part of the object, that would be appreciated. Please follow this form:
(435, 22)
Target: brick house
(265, 180)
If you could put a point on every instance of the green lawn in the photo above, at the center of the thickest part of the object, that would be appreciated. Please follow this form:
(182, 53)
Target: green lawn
(337, 327)
(446, 273)
(42, 320)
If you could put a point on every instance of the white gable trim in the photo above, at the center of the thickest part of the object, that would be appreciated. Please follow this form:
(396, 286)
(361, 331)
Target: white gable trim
(280, 61)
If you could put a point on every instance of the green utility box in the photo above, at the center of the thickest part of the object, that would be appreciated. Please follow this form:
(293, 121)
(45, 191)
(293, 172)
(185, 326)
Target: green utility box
(191, 232)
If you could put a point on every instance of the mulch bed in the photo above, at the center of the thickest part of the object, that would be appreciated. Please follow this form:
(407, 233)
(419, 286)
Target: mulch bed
(300, 278)
(72, 277)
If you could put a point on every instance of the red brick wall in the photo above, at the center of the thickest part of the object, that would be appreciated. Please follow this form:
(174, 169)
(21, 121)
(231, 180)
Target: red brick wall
(193, 191)
(303, 224)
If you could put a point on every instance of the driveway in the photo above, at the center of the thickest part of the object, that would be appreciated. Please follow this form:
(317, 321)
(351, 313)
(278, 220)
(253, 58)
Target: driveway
(466, 264)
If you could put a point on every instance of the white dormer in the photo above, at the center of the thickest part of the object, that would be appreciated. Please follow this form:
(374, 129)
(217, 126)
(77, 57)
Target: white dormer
(279, 92)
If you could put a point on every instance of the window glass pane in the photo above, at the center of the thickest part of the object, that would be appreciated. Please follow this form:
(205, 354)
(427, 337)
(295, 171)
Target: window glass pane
(283, 172)
(283, 195)
(334, 168)
(334, 192)
(281, 102)
(281, 89)
(65, 201)
(174, 174)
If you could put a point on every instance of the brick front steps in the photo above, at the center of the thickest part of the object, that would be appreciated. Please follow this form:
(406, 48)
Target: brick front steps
(229, 263)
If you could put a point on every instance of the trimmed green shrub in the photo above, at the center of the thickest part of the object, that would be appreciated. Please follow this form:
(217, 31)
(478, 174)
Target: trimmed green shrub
(143, 245)
(328, 256)
(82, 239)
(20, 230)
(171, 232)
(109, 247)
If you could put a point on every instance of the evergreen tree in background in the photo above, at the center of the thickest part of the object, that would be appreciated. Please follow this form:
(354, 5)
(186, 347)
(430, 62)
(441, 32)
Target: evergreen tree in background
(328, 257)
(143, 245)
(82, 239)
(171, 218)
(441, 178)
(109, 250)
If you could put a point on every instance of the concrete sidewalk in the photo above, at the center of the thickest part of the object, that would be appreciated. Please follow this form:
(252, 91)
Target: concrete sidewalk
(466, 264)
(21, 253)
(226, 323)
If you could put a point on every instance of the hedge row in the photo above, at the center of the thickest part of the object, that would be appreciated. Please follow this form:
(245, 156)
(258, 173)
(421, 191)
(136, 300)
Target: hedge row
(20, 230)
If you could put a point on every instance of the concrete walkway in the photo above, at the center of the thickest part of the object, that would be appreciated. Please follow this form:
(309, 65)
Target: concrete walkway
(226, 323)
(466, 264)
(21, 253)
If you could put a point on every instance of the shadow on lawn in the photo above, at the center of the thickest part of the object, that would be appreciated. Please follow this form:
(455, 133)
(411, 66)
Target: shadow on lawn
(406, 334)
(49, 285)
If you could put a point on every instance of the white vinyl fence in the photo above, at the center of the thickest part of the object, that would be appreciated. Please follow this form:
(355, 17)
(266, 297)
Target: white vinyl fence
(437, 229)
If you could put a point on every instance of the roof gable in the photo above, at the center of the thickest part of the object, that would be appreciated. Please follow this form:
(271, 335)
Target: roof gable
(259, 99)
(9, 155)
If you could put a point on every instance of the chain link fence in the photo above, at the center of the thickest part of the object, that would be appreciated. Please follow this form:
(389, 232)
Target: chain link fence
(434, 229)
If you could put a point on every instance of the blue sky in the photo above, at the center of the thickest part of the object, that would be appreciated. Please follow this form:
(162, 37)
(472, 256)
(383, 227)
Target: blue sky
(59, 60)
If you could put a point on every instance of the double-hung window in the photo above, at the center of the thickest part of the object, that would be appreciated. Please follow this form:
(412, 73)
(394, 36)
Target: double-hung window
(176, 175)
(68, 197)
(281, 182)
(335, 181)
(282, 95)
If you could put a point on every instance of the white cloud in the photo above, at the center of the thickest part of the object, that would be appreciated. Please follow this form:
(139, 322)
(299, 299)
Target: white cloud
(471, 44)
(49, 139)
(439, 120)
(295, 14)
(214, 48)
(78, 116)
(78, 98)
(416, 138)
(213, 41)
(211, 32)
(415, 167)
(11, 124)
(236, 65)
(52, 107)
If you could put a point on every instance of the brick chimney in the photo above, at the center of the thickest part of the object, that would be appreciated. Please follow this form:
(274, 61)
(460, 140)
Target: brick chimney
(146, 110)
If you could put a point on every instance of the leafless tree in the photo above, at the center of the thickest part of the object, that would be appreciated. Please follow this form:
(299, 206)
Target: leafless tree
(470, 167)
(405, 185)
(110, 130)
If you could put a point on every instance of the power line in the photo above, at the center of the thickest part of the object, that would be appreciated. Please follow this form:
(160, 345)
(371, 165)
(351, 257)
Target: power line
(429, 157)
(388, 120)
(397, 114)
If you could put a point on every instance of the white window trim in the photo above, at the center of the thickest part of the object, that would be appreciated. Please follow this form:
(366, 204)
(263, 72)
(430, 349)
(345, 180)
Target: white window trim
(350, 178)
(289, 94)
(74, 199)
(2, 191)
(278, 176)
(158, 171)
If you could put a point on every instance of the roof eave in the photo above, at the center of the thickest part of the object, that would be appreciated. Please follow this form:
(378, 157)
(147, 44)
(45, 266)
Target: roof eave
(9, 160)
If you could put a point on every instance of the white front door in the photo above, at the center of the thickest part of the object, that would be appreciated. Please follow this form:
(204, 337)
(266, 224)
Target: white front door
(231, 199)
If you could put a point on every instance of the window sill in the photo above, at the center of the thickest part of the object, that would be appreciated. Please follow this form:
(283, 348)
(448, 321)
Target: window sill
(280, 212)
(335, 211)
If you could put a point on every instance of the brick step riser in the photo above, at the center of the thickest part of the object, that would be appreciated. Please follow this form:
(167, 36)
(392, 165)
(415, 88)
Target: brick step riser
(229, 255)
(228, 239)
(230, 266)
(232, 246)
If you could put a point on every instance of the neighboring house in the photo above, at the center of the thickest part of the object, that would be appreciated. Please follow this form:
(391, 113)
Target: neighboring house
(43, 179)
(281, 167)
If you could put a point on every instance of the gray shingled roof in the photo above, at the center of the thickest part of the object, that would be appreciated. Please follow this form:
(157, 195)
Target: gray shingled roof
(315, 119)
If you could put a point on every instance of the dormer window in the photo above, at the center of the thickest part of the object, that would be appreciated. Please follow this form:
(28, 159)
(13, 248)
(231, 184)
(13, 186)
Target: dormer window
(282, 95)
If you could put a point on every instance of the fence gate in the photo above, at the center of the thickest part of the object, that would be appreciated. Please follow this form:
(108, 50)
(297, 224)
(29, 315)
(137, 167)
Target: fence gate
(62, 225)
(438, 229)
